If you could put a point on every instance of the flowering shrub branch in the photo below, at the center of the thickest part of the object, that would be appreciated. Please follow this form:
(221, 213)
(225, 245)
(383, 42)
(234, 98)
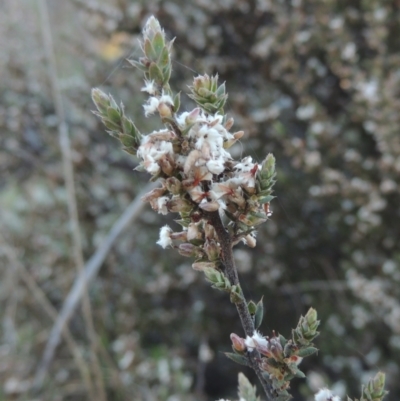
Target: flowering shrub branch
(220, 201)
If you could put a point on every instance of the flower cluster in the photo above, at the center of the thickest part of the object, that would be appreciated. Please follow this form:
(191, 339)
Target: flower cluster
(189, 157)
(279, 357)
(220, 202)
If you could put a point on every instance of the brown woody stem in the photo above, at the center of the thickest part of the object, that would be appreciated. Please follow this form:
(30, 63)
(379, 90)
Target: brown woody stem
(241, 306)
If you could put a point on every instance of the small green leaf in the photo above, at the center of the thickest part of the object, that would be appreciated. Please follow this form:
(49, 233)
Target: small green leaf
(138, 65)
(283, 397)
(113, 115)
(113, 104)
(221, 90)
(282, 340)
(235, 296)
(155, 73)
(158, 43)
(110, 125)
(273, 363)
(259, 314)
(242, 360)
(127, 140)
(149, 50)
(131, 151)
(164, 58)
(251, 306)
(266, 199)
(183, 222)
(211, 275)
(303, 352)
(299, 374)
(177, 102)
(166, 73)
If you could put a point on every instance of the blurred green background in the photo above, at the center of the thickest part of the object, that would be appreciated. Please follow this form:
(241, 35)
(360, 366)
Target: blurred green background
(315, 82)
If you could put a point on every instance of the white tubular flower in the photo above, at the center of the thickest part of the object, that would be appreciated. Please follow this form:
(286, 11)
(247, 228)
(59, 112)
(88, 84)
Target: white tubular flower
(245, 165)
(259, 339)
(325, 394)
(181, 118)
(149, 87)
(197, 194)
(151, 106)
(165, 237)
(152, 151)
(250, 344)
(162, 205)
(216, 166)
(167, 99)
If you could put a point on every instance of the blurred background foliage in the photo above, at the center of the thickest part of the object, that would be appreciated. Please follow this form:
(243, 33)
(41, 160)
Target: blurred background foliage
(315, 82)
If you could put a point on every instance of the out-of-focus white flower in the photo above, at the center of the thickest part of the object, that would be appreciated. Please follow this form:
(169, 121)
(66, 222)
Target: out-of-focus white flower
(151, 106)
(162, 205)
(216, 166)
(261, 340)
(154, 103)
(325, 394)
(256, 341)
(152, 151)
(149, 87)
(165, 237)
(167, 99)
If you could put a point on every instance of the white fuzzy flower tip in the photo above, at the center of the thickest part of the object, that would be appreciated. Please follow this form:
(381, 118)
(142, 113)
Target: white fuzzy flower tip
(256, 341)
(259, 339)
(325, 394)
(151, 106)
(165, 237)
(149, 87)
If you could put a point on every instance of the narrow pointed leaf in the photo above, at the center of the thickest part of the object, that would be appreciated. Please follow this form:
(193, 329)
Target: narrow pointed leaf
(113, 115)
(258, 316)
(242, 360)
(164, 58)
(155, 73)
(158, 43)
(138, 65)
(149, 50)
(306, 351)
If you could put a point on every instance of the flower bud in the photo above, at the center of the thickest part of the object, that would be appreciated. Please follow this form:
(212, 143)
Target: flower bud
(187, 249)
(212, 249)
(164, 110)
(180, 236)
(166, 166)
(173, 185)
(252, 219)
(178, 205)
(209, 206)
(238, 343)
(276, 349)
(201, 266)
(192, 117)
(209, 231)
(229, 123)
(193, 232)
(101, 100)
(250, 241)
(153, 194)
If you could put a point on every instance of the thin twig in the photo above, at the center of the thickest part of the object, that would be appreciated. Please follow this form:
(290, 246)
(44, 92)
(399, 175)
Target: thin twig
(68, 172)
(131, 213)
(241, 306)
